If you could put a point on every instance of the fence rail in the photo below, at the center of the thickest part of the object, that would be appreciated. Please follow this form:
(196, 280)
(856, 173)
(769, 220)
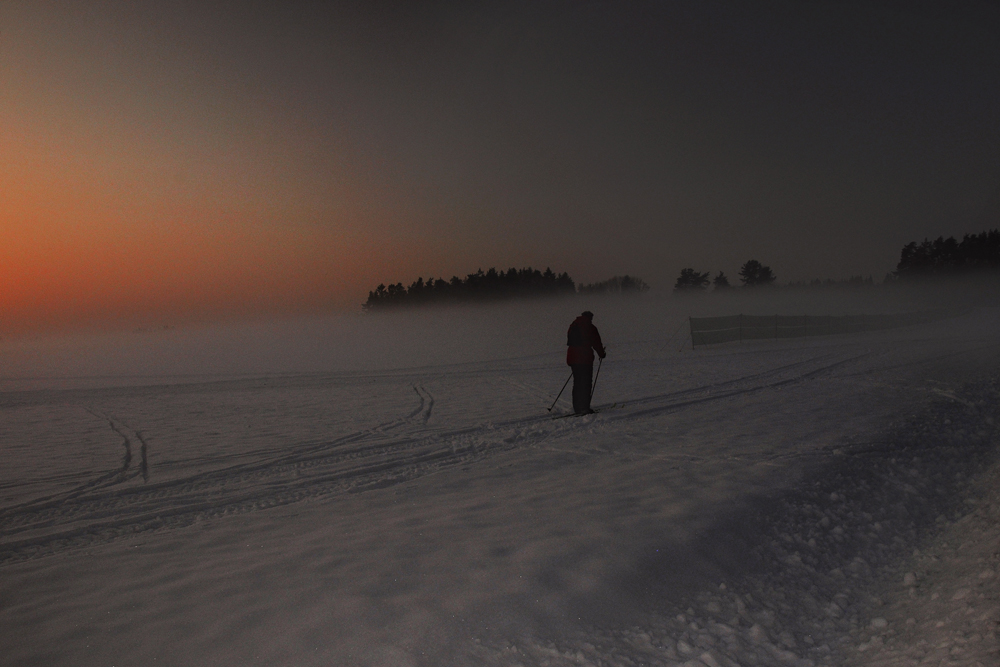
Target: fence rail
(712, 330)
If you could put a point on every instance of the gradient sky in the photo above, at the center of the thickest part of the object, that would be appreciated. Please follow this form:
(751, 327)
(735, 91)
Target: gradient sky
(167, 161)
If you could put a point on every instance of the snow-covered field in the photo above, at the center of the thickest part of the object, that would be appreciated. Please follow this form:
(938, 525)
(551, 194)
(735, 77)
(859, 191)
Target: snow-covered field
(392, 491)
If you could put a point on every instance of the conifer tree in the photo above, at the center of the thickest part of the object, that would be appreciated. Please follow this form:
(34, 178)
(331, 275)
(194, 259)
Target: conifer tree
(691, 280)
(755, 274)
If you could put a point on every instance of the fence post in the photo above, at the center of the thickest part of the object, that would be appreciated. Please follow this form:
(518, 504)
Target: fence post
(776, 326)
(741, 327)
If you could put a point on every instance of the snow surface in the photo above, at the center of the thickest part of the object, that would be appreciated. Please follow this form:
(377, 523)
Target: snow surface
(392, 491)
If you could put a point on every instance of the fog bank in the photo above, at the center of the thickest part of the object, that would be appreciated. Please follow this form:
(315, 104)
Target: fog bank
(415, 337)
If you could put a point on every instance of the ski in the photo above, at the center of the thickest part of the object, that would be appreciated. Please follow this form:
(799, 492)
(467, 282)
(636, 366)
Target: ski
(573, 414)
(613, 406)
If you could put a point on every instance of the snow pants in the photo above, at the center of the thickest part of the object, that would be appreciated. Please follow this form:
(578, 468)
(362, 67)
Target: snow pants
(582, 378)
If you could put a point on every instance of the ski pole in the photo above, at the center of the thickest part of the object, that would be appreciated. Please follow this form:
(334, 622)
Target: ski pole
(593, 388)
(561, 391)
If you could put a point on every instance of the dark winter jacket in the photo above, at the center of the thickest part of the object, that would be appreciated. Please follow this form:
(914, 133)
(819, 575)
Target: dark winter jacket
(582, 339)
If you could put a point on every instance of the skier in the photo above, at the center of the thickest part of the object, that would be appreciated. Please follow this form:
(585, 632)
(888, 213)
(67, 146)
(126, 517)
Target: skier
(583, 340)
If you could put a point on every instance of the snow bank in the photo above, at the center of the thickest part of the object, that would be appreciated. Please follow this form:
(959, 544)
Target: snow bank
(805, 578)
(941, 606)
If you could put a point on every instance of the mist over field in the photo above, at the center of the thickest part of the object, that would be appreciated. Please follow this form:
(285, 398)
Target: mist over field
(392, 489)
(417, 336)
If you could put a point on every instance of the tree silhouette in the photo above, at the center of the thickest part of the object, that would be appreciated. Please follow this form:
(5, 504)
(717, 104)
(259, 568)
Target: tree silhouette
(492, 284)
(616, 285)
(947, 256)
(853, 282)
(691, 280)
(755, 274)
(721, 282)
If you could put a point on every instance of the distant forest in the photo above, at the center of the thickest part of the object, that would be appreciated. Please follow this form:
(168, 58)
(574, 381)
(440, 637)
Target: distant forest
(942, 257)
(853, 281)
(752, 274)
(616, 285)
(493, 285)
(975, 253)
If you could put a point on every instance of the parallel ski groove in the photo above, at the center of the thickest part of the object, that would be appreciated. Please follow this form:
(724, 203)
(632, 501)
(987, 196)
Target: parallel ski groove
(102, 509)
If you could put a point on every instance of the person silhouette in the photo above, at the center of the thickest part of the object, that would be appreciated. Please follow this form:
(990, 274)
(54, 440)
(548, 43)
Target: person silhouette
(583, 340)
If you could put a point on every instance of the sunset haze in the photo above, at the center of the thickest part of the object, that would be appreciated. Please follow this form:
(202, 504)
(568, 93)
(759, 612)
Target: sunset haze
(166, 162)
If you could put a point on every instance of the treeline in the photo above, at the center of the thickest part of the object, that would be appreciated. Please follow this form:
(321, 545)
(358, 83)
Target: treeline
(975, 253)
(494, 285)
(755, 274)
(816, 283)
(752, 274)
(616, 285)
(478, 286)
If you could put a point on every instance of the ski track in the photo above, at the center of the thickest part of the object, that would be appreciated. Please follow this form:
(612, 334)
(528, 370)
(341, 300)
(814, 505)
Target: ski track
(108, 507)
(106, 480)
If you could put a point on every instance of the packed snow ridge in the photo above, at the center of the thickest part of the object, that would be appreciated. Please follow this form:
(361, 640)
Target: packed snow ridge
(830, 573)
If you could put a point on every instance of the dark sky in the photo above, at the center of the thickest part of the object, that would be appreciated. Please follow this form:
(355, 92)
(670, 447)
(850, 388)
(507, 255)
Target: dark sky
(295, 154)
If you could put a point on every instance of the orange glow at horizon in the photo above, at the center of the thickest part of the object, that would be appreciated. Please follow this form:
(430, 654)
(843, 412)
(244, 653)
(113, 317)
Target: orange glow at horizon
(90, 238)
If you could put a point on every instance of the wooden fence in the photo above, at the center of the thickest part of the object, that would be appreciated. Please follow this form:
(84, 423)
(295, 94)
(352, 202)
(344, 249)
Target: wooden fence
(712, 330)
